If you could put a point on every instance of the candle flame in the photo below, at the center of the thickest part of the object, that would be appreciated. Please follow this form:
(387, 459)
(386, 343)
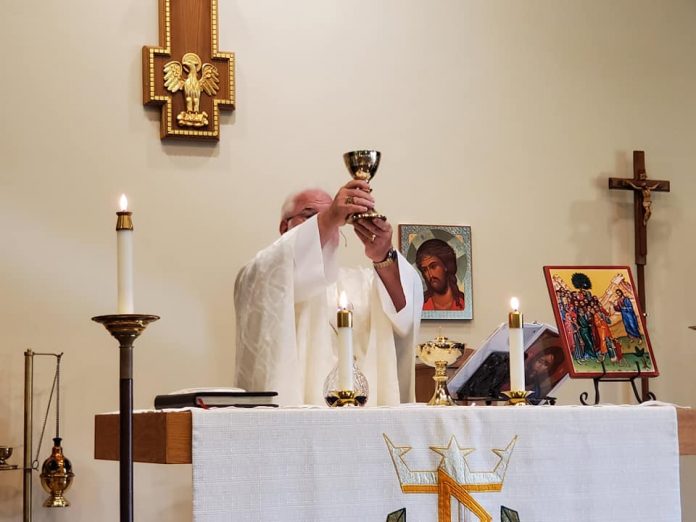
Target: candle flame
(515, 304)
(123, 202)
(343, 300)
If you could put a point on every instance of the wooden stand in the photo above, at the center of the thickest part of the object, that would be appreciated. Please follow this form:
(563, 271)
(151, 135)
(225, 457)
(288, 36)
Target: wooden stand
(159, 437)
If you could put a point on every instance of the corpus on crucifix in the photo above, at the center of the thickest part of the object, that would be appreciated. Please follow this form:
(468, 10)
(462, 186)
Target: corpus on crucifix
(642, 188)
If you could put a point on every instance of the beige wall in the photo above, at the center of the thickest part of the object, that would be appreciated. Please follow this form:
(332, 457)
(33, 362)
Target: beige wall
(506, 116)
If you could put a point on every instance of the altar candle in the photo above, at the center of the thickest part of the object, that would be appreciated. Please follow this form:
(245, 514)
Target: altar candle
(344, 321)
(124, 261)
(516, 340)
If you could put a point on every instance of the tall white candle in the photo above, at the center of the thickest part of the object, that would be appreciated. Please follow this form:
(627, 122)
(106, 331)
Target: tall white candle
(344, 322)
(124, 261)
(516, 340)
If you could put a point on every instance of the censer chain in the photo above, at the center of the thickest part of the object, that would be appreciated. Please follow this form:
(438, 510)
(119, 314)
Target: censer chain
(54, 387)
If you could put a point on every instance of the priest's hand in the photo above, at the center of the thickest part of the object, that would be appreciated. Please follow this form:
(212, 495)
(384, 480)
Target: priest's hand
(376, 235)
(352, 198)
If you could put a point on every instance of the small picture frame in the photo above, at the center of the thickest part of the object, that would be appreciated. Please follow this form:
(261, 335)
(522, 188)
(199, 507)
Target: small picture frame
(487, 372)
(600, 321)
(441, 254)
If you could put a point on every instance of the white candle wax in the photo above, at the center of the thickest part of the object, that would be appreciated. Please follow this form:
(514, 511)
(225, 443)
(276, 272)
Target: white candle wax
(124, 260)
(344, 320)
(345, 359)
(516, 341)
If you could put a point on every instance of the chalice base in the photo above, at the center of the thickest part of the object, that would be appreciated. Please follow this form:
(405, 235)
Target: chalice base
(7, 466)
(370, 214)
(441, 397)
(340, 398)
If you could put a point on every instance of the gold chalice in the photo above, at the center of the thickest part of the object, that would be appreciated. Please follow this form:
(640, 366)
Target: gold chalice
(440, 353)
(362, 164)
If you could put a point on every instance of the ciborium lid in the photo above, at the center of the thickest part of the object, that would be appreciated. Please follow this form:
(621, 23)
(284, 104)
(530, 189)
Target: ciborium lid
(440, 349)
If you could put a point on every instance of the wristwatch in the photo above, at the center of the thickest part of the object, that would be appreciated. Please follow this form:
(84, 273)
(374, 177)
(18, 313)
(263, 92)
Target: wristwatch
(391, 258)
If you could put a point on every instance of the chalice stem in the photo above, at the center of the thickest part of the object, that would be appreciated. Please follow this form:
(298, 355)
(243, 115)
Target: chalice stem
(441, 397)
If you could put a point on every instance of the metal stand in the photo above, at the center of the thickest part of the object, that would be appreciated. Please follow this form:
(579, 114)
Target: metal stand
(28, 427)
(126, 328)
(596, 380)
(29, 464)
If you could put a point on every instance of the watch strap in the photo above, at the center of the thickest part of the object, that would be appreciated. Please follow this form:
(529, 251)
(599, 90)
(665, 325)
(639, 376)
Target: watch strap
(388, 260)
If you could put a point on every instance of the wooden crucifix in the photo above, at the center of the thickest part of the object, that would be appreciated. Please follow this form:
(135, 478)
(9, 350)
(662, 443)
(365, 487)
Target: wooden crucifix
(642, 188)
(187, 74)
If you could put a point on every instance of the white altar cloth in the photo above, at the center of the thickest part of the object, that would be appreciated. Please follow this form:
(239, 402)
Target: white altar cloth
(546, 463)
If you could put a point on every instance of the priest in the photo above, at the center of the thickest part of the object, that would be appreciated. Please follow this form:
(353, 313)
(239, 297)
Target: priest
(286, 300)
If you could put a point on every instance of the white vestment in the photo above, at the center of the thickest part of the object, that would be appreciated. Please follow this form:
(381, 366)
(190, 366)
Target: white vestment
(286, 300)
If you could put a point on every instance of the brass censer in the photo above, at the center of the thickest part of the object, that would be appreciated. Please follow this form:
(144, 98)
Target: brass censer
(56, 476)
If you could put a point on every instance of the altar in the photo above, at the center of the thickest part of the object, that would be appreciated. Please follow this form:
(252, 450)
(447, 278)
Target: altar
(476, 463)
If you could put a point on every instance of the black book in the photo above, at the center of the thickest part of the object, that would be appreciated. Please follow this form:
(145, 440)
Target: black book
(215, 398)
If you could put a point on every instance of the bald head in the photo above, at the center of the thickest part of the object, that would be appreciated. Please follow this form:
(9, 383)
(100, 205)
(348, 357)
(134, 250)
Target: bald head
(301, 206)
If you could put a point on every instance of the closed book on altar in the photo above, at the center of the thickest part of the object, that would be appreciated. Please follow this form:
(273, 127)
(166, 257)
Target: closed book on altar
(215, 398)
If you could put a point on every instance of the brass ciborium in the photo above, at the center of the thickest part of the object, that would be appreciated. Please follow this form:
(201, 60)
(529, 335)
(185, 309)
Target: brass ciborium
(6, 453)
(440, 353)
(363, 164)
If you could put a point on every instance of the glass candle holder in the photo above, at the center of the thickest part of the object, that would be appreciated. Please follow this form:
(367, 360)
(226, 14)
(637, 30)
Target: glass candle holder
(336, 397)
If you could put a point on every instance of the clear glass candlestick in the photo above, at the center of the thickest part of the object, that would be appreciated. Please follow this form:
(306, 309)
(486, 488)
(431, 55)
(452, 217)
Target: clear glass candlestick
(336, 397)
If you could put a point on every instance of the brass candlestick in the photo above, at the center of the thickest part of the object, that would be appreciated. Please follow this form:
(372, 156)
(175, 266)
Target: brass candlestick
(517, 397)
(340, 398)
(126, 328)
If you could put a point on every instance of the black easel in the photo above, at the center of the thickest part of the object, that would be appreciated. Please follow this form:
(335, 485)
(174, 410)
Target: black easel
(602, 378)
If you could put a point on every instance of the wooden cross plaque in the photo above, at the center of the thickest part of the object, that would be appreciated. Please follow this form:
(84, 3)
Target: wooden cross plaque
(187, 75)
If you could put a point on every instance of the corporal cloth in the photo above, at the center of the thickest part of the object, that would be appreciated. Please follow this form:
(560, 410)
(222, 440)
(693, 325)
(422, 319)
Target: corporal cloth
(569, 463)
(285, 301)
